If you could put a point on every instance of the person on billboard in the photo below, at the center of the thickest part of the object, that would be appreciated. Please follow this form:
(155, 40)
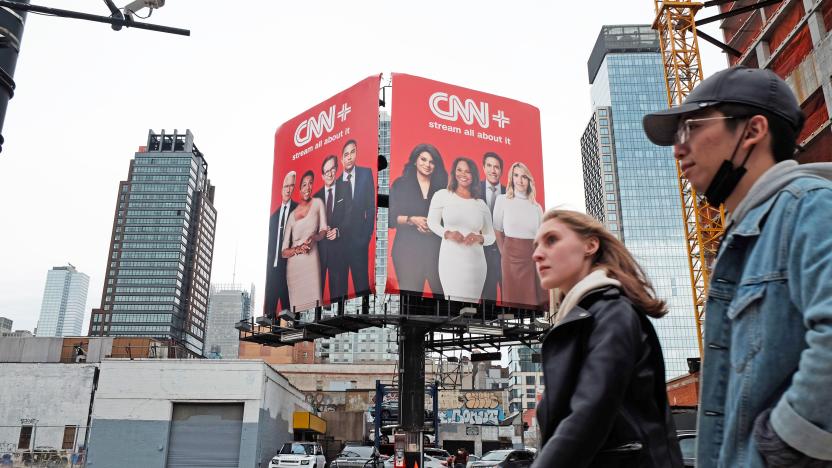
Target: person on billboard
(328, 247)
(605, 402)
(416, 248)
(490, 189)
(356, 230)
(463, 222)
(517, 215)
(306, 226)
(277, 292)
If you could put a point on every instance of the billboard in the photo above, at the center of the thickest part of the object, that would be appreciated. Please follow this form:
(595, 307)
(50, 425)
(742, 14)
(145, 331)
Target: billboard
(324, 186)
(466, 194)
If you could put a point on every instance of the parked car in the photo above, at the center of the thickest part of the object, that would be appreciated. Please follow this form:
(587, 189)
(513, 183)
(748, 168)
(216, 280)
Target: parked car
(687, 442)
(471, 460)
(430, 462)
(435, 461)
(295, 454)
(505, 459)
(358, 456)
(439, 453)
(390, 411)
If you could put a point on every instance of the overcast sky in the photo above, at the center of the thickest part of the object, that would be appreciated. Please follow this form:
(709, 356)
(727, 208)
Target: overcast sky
(86, 97)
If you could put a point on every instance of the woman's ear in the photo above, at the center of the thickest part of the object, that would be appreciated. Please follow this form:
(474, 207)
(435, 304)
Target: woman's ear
(591, 246)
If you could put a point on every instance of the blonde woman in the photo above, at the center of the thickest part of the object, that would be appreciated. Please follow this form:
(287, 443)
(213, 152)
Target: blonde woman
(517, 215)
(605, 402)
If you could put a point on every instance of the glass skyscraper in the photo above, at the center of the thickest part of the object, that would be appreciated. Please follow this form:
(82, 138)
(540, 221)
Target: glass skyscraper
(631, 184)
(64, 300)
(162, 244)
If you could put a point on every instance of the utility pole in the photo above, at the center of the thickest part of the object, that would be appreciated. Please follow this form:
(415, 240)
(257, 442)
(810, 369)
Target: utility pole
(11, 32)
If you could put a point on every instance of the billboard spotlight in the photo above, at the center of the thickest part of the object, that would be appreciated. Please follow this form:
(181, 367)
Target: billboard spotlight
(485, 330)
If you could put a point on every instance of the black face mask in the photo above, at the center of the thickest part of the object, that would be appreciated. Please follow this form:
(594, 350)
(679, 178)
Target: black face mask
(727, 177)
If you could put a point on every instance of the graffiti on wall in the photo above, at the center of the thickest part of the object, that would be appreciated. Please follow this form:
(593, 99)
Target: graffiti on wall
(325, 402)
(475, 407)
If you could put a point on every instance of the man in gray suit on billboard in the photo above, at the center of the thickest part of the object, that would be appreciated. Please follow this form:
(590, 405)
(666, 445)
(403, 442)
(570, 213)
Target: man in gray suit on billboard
(277, 292)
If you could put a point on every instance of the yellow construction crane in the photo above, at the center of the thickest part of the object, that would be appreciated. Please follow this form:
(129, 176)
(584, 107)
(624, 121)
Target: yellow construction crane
(704, 224)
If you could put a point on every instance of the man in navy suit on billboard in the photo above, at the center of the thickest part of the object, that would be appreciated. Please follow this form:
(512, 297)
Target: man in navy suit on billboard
(277, 292)
(490, 188)
(356, 229)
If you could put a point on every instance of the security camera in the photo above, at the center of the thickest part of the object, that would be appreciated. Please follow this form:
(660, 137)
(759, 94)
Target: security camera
(136, 5)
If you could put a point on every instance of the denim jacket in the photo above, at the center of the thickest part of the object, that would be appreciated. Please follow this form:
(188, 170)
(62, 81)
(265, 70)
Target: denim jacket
(768, 327)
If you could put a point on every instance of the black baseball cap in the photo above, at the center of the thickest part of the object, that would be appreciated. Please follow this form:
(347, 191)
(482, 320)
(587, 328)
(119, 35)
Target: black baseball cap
(755, 87)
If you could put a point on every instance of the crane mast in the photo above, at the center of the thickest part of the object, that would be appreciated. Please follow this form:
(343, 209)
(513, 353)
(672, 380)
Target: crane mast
(704, 224)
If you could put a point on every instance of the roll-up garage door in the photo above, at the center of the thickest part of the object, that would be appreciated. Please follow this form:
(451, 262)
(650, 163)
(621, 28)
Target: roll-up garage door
(205, 435)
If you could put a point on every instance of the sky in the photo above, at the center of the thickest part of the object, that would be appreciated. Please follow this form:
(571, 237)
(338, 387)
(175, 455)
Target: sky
(87, 96)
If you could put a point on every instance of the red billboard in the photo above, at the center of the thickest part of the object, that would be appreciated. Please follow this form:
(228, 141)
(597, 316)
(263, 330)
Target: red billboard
(323, 209)
(466, 194)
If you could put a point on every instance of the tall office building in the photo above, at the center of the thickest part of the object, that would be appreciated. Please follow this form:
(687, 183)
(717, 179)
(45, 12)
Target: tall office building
(5, 325)
(162, 245)
(370, 344)
(525, 378)
(792, 38)
(227, 305)
(632, 185)
(64, 300)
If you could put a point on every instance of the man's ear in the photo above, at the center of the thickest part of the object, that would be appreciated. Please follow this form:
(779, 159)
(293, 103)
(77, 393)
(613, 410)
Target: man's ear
(756, 130)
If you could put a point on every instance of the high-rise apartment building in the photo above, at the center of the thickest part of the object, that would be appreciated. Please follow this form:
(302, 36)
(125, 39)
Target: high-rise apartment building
(792, 38)
(632, 185)
(525, 378)
(64, 300)
(227, 305)
(159, 264)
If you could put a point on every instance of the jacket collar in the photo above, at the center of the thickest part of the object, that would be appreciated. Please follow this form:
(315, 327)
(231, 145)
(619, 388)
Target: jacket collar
(581, 311)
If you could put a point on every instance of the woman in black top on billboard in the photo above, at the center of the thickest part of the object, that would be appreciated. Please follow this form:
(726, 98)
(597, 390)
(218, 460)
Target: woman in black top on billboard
(416, 248)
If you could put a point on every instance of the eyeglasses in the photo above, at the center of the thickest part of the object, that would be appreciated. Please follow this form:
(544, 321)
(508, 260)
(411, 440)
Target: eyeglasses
(683, 132)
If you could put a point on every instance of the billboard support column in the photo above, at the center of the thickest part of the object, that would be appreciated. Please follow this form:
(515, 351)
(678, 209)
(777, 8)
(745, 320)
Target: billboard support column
(412, 390)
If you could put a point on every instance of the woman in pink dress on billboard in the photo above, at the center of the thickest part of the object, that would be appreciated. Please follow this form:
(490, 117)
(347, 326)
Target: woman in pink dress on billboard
(463, 222)
(305, 227)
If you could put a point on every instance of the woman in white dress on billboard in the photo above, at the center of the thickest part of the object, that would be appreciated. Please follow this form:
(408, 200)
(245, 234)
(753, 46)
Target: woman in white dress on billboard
(463, 222)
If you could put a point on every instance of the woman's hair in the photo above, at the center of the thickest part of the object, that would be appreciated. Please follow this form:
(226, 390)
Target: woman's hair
(615, 258)
(306, 174)
(439, 178)
(475, 176)
(510, 187)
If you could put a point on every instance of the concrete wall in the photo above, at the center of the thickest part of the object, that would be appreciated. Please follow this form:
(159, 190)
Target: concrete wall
(134, 404)
(56, 395)
(30, 349)
(280, 401)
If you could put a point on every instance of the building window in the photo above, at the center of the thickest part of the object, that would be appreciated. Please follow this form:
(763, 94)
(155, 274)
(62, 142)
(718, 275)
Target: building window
(25, 437)
(69, 437)
(602, 112)
(529, 380)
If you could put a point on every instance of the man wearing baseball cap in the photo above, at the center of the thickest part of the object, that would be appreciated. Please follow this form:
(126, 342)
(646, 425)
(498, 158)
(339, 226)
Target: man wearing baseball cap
(767, 365)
